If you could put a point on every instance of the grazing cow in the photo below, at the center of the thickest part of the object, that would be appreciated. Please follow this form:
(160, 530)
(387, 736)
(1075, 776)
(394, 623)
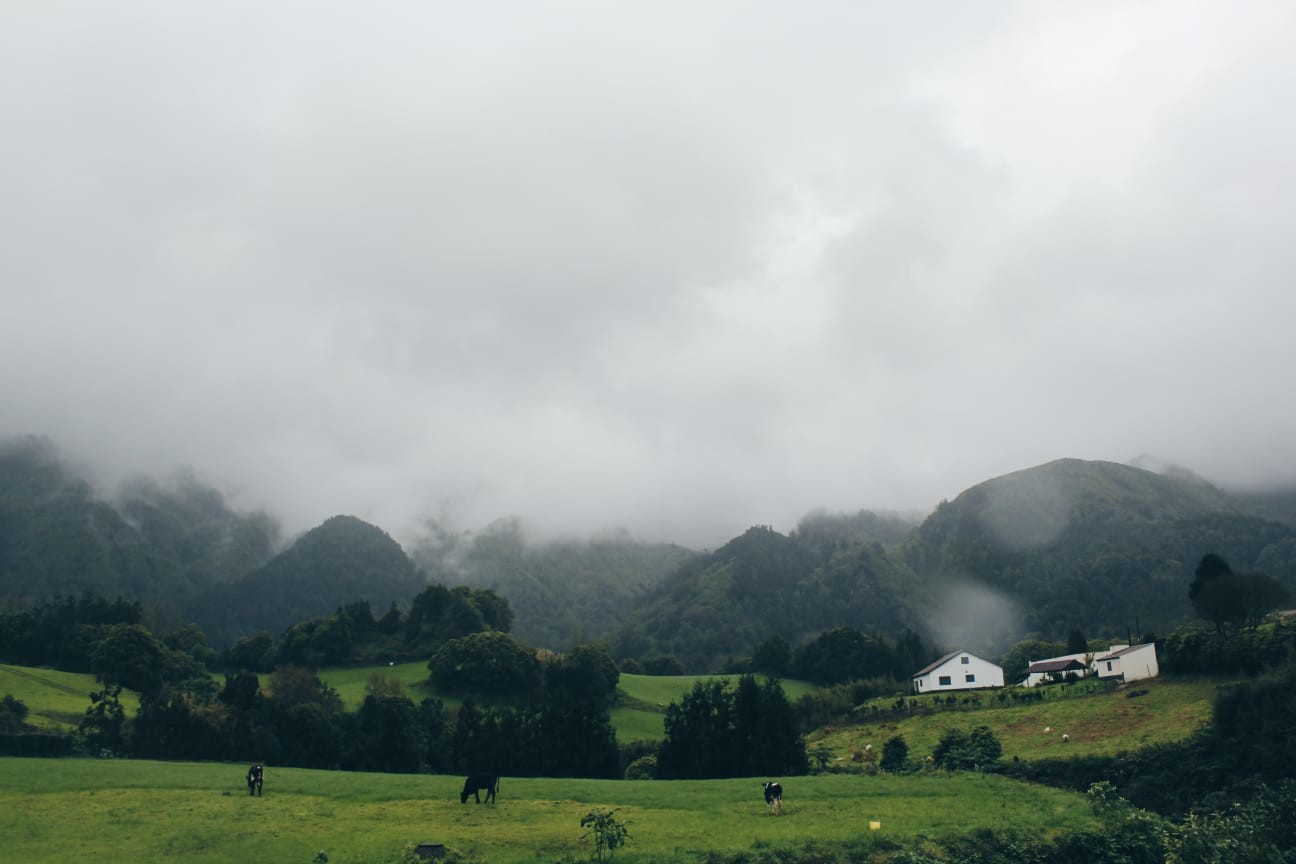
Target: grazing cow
(774, 797)
(255, 779)
(477, 782)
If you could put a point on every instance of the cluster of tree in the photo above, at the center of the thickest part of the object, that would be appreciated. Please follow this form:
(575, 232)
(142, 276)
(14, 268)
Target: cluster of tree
(841, 655)
(297, 721)
(91, 634)
(718, 731)
(1205, 651)
(352, 634)
(563, 729)
(975, 750)
(1233, 599)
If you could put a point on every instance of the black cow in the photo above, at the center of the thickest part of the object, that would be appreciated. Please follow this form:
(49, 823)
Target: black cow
(255, 779)
(477, 782)
(774, 797)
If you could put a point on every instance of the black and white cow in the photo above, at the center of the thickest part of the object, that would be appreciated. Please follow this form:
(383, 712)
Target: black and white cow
(477, 782)
(774, 797)
(255, 779)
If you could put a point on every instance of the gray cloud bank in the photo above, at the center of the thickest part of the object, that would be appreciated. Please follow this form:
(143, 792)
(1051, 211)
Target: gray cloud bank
(676, 267)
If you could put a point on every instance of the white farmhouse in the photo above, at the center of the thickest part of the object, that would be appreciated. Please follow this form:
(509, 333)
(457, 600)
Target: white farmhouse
(958, 670)
(1127, 663)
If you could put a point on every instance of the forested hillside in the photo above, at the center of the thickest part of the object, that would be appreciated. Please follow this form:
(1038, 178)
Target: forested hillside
(1071, 544)
(1094, 545)
(160, 544)
(341, 561)
(562, 593)
(723, 605)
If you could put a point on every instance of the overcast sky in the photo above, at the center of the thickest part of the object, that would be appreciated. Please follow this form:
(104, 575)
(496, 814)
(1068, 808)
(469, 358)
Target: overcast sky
(680, 268)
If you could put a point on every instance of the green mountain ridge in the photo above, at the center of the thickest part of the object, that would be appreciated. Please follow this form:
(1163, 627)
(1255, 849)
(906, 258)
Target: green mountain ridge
(341, 561)
(1099, 546)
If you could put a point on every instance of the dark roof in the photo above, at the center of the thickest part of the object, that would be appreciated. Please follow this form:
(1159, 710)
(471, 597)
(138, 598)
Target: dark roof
(1120, 651)
(1063, 665)
(942, 661)
(934, 664)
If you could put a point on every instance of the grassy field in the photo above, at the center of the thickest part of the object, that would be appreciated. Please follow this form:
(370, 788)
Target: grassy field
(56, 701)
(138, 811)
(1097, 724)
(349, 681)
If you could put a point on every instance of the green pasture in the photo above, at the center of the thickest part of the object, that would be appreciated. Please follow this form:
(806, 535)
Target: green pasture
(56, 701)
(1097, 724)
(641, 714)
(349, 681)
(60, 810)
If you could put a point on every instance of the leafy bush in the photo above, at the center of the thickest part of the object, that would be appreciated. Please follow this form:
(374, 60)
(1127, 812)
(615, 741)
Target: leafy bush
(978, 750)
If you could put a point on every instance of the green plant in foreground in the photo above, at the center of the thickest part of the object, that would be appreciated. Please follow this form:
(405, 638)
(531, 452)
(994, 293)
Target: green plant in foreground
(608, 832)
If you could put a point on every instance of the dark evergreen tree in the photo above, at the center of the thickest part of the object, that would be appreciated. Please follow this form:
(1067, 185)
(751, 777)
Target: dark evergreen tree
(716, 732)
(895, 753)
(1076, 642)
(773, 656)
(391, 736)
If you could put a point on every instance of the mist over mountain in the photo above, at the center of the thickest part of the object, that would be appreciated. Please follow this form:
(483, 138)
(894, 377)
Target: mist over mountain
(562, 592)
(1104, 547)
(162, 543)
(1091, 544)
(1101, 546)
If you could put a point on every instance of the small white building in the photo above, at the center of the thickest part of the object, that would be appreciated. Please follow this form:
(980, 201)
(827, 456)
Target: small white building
(958, 670)
(1056, 669)
(1127, 663)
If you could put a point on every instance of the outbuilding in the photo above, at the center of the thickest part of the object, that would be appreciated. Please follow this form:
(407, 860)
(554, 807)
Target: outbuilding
(958, 670)
(1128, 663)
(1055, 669)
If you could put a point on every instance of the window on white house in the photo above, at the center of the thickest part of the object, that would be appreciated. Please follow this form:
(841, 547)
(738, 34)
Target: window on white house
(964, 661)
(945, 681)
(969, 678)
(1108, 665)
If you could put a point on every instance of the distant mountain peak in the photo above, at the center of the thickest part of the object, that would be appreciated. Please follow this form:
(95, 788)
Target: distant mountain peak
(1157, 465)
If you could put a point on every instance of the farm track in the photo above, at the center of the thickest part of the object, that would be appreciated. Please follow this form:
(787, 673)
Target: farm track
(22, 672)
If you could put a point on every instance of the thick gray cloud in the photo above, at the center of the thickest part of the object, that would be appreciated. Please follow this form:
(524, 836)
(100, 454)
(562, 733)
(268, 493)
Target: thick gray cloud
(676, 267)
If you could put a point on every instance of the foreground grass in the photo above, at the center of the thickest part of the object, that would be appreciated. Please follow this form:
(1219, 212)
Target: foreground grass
(139, 811)
(1098, 724)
